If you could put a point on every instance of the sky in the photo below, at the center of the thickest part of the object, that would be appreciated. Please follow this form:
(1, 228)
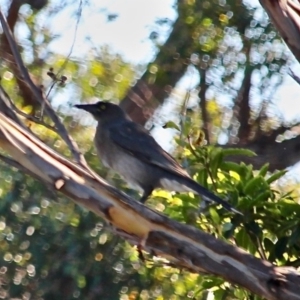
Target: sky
(128, 34)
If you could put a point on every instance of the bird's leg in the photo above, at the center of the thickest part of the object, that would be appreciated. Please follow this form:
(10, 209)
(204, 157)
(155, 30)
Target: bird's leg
(146, 194)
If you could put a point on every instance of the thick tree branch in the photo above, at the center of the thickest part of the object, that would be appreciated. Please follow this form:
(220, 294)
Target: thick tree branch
(184, 246)
(6, 108)
(279, 155)
(285, 15)
(14, 109)
(6, 53)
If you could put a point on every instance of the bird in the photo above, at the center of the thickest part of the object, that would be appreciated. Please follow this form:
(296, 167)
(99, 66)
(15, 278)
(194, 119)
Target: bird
(127, 148)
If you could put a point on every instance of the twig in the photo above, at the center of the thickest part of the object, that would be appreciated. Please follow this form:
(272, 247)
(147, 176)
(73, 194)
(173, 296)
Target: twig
(183, 112)
(5, 101)
(73, 42)
(294, 76)
(211, 176)
(205, 117)
(51, 87)
(258, 243)
(206, 165)
(28, 117)
(40, 97)
(34, 119)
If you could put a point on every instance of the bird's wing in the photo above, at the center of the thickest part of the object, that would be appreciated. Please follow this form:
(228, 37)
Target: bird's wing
(136, 140)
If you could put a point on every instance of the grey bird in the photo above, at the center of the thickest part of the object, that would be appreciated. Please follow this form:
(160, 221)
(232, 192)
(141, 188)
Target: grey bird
(128, 149)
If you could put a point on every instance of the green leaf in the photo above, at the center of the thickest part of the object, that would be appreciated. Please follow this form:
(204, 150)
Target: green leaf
(276, 176)
(250, 168)
(202, 177)
(254, 185)
(216, 160)
(240, 187)
(243, 240)
(264, 169)
(220, 294)
(262, 197)
(171, 124)
(289, 208)
(231, 166)
(208, 284)
(214, 215)
(246, 172)
(238, 151)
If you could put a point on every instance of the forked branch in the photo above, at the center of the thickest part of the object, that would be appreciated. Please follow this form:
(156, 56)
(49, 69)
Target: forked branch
(184, 246)
(61, 130)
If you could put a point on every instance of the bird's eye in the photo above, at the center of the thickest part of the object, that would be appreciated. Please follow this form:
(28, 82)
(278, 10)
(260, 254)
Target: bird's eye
(102, 107)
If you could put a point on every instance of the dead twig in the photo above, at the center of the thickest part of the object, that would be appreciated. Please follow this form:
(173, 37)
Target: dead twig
(29, 117)
(61, 130)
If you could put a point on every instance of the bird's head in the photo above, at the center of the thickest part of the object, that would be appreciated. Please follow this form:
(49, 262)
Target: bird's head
(103, 111)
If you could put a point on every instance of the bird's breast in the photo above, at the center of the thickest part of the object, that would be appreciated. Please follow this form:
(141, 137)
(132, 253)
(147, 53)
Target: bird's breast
(117, 159)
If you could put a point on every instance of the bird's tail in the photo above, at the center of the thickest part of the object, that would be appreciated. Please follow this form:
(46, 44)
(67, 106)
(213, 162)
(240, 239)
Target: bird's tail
(208, 195)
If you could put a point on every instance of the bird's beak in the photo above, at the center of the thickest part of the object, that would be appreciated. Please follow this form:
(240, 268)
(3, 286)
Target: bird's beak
(87, 107)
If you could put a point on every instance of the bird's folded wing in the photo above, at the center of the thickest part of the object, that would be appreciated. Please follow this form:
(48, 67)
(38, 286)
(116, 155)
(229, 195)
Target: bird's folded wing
(136, 141)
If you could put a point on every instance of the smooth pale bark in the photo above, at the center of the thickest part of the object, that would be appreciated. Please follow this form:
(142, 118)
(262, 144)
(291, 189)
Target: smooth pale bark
(184, 246)
(285, 15)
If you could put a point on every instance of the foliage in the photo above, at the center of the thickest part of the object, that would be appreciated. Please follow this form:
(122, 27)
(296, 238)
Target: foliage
(55, 250)
(52, 249)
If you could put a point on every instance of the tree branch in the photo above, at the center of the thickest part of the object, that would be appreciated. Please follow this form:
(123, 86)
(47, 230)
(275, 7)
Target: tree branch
(285, 15)
(13, 108)
(279, 155)
(5, 106)
(294, 76)
(6, 53)
(184, 246)
(40, 97)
